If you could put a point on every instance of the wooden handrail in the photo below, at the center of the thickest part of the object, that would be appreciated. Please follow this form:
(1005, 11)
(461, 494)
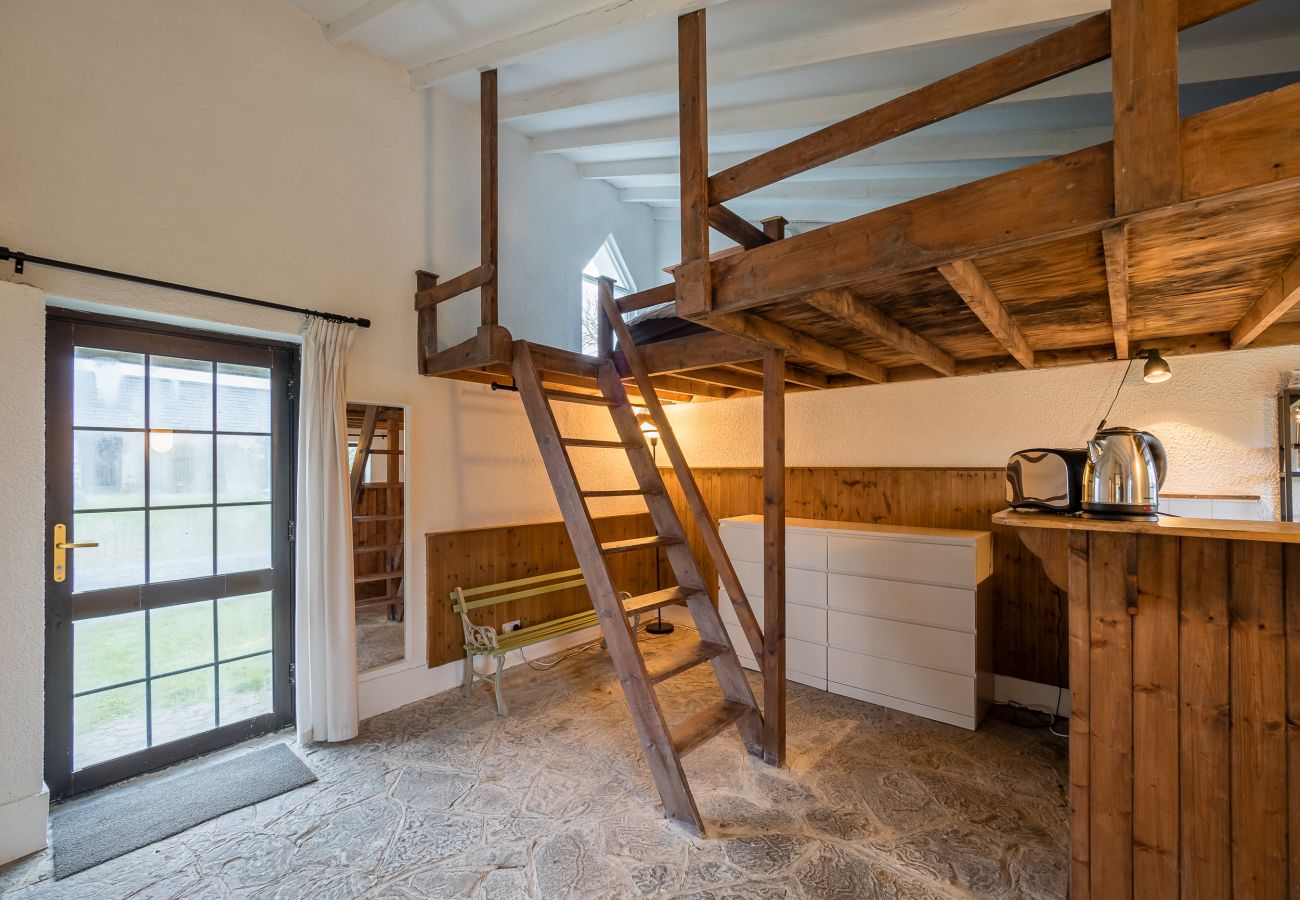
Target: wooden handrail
(1067, 50)
(664, 293)
(440, 293)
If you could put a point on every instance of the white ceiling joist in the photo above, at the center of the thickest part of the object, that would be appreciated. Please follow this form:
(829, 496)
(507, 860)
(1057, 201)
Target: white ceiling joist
(573, 25)
(929, 27)
(343, 30)
(1212, 64)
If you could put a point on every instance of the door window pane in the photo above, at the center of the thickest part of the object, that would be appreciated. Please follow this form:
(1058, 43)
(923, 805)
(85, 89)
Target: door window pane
(182, 705)
(180, 637)
(243, 468)
(108, 724)
(108, 650)
(180, 393)
(107, 469)
(243, 624)
(180, 543)
(180, 468)
(243, 538)
(245, 688)
(243, 398)
(119, 558)
(108, 389)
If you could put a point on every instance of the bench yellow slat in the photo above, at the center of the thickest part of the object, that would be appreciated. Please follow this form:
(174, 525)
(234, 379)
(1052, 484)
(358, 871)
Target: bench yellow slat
(537, 634)
(518, 582)
(519, 595)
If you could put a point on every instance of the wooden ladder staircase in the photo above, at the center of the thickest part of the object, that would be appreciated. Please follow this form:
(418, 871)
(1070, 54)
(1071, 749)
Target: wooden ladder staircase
(664, 744)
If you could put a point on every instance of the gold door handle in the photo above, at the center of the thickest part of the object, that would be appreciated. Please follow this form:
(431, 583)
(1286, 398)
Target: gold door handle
(61, 548)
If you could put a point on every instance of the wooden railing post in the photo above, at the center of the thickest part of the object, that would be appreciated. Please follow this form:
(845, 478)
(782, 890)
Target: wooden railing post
(695, 291)
(488, 192)
(1144, 90)
(426, 324)
(604, 327)
(773, 556)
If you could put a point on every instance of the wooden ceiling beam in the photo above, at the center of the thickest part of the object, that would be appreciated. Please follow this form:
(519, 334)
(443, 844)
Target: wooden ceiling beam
(970, 284)
(693, 352)
(1230, 153)
(344, 29)
(1115, 244)
(725, 377)
(1281, 295)
(841, 304)
(796, 343)
(793, 374)
(739, 229)
(683, 385)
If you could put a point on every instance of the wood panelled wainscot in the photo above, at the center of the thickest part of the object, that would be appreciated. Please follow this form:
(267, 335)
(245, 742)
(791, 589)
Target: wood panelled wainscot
(1029, 628)
(1185, 687)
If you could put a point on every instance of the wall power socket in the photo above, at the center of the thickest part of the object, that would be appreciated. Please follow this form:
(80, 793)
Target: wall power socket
(511, 626)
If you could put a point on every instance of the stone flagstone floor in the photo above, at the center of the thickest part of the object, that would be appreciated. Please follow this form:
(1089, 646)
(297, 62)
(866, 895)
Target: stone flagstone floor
(443, 799)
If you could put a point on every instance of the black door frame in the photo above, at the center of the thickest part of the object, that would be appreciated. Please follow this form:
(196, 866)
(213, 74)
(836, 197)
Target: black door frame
(64, 330)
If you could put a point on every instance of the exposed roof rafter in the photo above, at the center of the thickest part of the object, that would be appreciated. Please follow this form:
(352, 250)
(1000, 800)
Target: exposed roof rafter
(970, 284)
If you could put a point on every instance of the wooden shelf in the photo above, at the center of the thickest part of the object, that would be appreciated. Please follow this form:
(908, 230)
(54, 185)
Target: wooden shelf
(1170, 526)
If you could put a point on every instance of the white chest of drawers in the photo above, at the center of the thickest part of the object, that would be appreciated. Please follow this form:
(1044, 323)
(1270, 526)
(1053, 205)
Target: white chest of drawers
(893, 615)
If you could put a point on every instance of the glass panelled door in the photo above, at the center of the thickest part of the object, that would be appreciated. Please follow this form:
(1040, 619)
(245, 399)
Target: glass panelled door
(170, 485)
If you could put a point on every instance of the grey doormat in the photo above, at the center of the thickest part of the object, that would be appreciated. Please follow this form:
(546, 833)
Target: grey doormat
(126, 819)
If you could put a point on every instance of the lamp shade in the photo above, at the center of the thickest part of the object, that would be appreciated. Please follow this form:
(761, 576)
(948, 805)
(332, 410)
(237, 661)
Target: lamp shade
(1156, 369)
(648, 426)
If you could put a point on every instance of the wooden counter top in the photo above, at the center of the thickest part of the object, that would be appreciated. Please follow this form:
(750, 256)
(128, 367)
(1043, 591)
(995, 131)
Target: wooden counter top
(1168, 526)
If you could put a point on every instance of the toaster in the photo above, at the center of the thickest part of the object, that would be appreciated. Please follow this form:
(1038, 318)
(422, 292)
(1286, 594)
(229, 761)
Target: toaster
(1048, 480)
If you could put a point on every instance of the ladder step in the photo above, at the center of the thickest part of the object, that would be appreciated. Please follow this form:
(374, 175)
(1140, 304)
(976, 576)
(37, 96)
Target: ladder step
(662, 668)
(699, 727)
(643, 543)
(623, 492)
(645, 603)
(592, 442)
(573, 397)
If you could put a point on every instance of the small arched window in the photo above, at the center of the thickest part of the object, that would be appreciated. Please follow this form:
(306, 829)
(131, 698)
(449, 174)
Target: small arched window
(608, 263)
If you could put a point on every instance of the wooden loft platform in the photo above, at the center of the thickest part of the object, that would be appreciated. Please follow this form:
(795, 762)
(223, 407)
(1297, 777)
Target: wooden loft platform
(1182, 236)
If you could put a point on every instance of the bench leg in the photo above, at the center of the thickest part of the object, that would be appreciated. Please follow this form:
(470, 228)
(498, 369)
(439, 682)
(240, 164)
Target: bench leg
(501, 700)
(469, 675)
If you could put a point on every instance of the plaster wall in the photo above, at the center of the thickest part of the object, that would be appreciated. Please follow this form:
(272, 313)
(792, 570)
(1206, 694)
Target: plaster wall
(225, 143)
(1216, 417)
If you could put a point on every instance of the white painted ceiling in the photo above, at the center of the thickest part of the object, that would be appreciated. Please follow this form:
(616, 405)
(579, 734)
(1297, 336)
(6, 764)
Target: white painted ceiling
(595, 81)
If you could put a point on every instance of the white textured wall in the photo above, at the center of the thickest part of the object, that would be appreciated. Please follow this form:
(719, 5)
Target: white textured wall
(225, 143)
(22, 563)
(1216, 417)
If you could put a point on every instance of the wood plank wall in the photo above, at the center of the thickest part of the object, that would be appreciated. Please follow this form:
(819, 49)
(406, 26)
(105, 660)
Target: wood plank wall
(1029, 613)
(1029, 626)
(482, 556)
(1185, 728)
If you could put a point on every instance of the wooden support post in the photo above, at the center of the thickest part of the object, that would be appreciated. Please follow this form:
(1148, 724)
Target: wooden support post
(774, 227)
(426, 324)
(488, 192)
(604, 327)
(774, 556)
(1144, 90)
(694, 278)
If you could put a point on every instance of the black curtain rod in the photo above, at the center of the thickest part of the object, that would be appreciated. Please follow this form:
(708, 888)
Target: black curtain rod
(22, 259)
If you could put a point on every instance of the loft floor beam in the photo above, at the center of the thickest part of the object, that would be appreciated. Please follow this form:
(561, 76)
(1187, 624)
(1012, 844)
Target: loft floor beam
(1115, 247)
(842, 305)
(796, 343)
(970, 284)
(1281, 295)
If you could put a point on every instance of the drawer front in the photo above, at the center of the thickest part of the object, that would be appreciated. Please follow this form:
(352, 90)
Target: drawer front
(801, 657)
(803, 549)
(944, 690)
(929, 604)
(802, 586)
(950, 564)
(923, 645)
(804, 623)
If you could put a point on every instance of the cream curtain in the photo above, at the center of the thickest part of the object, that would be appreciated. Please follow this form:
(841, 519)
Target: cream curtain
(325, 624)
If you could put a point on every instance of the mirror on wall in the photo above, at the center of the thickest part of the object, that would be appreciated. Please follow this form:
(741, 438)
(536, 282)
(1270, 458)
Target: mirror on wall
(377, 468)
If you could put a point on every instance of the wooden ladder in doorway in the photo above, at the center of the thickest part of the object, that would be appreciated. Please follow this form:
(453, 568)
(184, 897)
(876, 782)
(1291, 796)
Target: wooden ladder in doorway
(664, 744)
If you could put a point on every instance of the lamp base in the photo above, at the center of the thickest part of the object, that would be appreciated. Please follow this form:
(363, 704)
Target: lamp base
(659, 626)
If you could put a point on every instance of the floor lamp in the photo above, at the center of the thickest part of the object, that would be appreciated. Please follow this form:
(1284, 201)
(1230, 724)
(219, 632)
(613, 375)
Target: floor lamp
(651, 433)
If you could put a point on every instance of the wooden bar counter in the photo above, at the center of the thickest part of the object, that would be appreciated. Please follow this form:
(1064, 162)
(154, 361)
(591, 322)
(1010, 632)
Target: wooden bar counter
(1185, 703)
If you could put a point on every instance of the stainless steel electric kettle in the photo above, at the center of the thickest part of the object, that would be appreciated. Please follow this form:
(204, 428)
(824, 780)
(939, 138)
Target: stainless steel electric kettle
(1124, 473)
